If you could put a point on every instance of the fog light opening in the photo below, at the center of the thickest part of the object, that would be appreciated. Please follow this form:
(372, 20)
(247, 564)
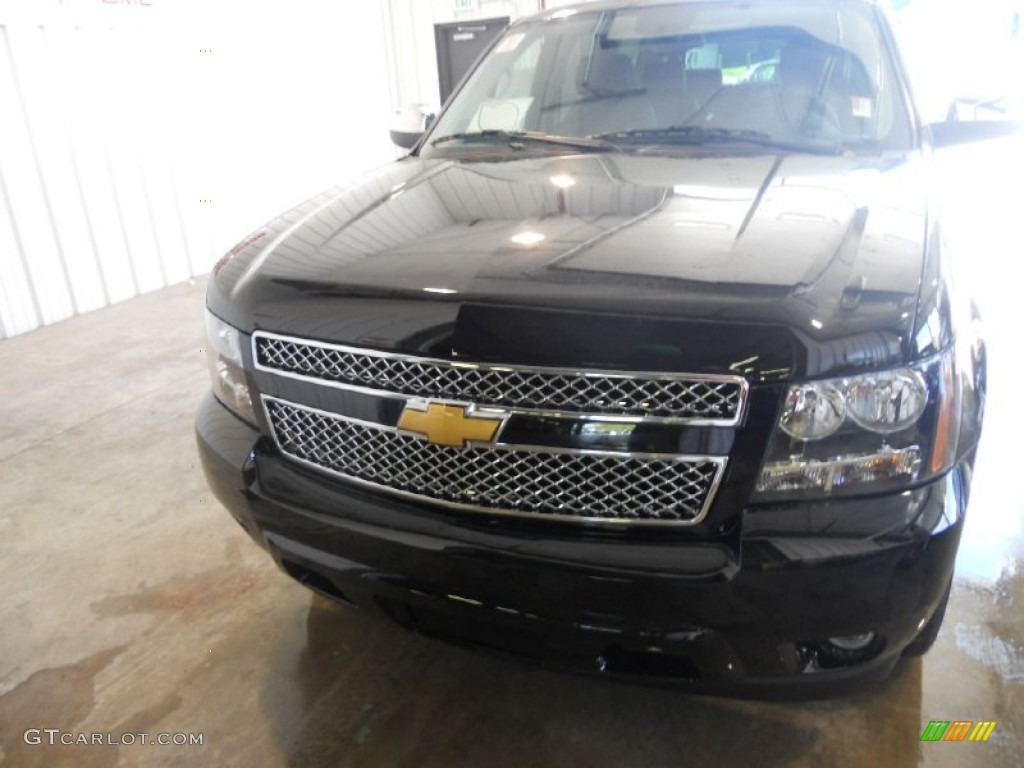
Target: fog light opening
(847, 650)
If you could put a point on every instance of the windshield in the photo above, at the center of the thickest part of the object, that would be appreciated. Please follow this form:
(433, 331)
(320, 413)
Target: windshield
(792, 75)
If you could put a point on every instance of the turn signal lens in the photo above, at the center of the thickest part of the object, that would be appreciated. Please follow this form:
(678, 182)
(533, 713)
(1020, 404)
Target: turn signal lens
(947, 427)
(852, 471)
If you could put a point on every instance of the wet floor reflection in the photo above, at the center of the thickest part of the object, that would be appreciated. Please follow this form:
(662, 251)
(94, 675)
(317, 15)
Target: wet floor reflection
(361, 691)
(369, 693)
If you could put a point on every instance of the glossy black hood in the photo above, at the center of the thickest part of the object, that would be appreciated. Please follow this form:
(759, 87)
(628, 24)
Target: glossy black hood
(810, 264)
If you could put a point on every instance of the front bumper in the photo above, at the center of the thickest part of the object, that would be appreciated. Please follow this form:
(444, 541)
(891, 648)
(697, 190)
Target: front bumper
(746, 614)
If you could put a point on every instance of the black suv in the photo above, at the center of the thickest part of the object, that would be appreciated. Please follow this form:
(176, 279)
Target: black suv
(648, 359)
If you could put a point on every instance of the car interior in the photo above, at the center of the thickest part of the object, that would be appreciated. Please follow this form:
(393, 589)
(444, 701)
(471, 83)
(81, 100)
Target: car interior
(812, 89)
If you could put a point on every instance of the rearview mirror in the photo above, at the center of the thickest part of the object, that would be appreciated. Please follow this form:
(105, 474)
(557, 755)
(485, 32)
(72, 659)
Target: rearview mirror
(410, 123)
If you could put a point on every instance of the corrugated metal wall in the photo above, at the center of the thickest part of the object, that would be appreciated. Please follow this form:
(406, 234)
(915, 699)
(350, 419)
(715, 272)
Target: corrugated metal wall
(139, 139)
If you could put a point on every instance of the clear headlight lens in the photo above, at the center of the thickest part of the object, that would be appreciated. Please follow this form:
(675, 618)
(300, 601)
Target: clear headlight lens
(862, 434)
(813, 411)
(888, 401)
(226, 371)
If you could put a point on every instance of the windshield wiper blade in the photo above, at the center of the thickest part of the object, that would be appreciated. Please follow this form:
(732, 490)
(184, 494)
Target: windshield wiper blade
(516, 139)
(695, 131)
(697, 135)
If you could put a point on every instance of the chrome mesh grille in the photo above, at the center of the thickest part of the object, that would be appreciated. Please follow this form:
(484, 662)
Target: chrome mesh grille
(648, 394)
(554, 485)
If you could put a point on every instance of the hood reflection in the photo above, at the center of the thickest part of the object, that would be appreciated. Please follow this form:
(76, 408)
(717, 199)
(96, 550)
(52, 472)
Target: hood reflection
(829, 247)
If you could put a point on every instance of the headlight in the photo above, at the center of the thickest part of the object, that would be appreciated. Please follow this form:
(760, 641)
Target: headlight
(813, 411)
(887, 402)
(862, 434)
(226, 371)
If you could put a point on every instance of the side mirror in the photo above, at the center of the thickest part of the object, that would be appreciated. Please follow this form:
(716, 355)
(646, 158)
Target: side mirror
(976, 119)
(954, 132)
(409, 125)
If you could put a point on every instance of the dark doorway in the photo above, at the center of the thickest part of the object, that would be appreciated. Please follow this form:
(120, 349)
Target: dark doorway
(459, 45)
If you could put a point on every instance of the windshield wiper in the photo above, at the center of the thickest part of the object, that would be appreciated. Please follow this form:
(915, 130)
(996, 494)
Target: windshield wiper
(697, 135)
(518, 139)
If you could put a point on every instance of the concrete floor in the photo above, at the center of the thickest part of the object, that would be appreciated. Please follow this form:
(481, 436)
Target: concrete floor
(132, 603)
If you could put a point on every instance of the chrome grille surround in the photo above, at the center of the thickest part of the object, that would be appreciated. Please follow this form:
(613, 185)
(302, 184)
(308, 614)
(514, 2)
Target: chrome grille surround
(548, 483)
(650, 397)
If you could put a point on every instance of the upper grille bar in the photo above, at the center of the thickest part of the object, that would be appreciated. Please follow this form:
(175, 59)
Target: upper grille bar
(635, 396)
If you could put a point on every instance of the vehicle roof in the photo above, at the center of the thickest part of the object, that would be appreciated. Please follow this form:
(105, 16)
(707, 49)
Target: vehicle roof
(613, 5)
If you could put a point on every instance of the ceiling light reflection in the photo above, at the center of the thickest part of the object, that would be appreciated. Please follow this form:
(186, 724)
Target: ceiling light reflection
(693, 223)
(527, 238)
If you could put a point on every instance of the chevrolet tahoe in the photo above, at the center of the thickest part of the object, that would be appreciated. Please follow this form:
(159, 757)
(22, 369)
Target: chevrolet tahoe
(649, 359)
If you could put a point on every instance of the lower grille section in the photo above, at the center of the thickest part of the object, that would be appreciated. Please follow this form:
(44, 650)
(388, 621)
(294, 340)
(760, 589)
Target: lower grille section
(546, 483)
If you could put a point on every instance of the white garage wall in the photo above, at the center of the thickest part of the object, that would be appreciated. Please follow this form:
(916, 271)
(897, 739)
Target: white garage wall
(139, 139)
(955, 50)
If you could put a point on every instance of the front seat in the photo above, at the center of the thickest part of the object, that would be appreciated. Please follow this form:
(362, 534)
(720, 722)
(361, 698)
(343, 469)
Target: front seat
(663, 79)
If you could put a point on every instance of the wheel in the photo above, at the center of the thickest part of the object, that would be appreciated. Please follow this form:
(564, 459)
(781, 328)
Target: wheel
(929, 634)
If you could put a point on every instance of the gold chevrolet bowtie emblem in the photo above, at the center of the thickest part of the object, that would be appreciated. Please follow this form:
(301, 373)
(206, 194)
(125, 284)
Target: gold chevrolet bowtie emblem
(448, 424)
